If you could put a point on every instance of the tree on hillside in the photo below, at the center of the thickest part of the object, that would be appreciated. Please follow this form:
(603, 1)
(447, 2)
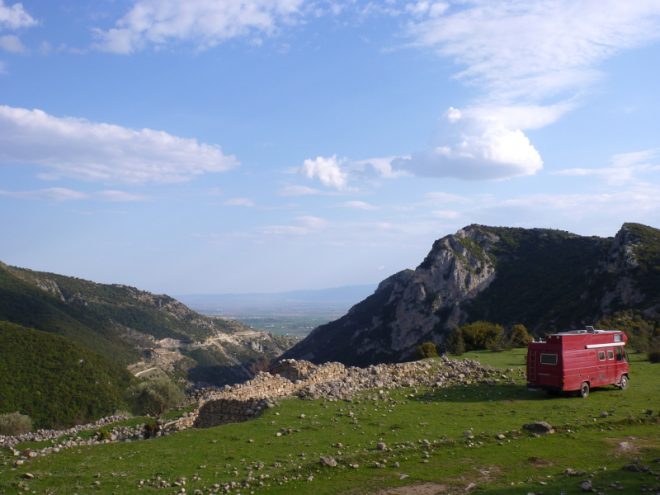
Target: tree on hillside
(455, 344)
(482, 334)
(519, 336)
(427, 350)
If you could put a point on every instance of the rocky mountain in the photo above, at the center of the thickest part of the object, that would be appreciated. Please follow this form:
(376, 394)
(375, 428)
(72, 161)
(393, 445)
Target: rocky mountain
(134, 328)
(545, 279)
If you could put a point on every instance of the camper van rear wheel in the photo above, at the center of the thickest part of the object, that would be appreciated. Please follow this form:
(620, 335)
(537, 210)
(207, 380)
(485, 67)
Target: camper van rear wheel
(623, 383)
(584, 390)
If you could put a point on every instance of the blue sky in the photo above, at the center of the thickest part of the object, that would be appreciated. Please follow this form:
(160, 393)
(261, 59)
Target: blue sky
(199, 146)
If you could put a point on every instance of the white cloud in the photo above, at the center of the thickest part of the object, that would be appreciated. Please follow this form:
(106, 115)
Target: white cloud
(476, 147)
(204, 23)
(522, 49)
(15, 16)
(239, 202)
(12, 44)
(65, 194)
(326, 169)
(519, 54)
(295, 190)
(79, 149)
(382, 166)
(302, 225)
(624, 167)
(446, 214)
(358, 205)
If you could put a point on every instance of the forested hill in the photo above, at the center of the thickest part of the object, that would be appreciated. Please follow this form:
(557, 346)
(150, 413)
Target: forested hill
(130, 326)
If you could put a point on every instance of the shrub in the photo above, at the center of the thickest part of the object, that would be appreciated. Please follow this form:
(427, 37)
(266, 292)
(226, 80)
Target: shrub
(15, 424)
(154, 396)
(427, 350)
(455, 343)
(519, 336)
(654, 352)
(481, 334)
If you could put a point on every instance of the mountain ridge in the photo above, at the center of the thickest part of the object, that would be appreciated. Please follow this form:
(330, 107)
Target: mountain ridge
(546, 279)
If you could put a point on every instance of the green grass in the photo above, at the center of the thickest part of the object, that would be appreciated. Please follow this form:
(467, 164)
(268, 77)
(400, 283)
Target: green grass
(518, 464)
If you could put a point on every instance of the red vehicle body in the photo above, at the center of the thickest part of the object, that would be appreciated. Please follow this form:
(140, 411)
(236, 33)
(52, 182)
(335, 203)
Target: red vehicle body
(578, 360)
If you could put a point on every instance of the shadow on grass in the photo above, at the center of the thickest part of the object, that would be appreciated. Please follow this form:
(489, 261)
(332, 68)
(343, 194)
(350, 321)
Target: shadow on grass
(481, 392)
(623, 480)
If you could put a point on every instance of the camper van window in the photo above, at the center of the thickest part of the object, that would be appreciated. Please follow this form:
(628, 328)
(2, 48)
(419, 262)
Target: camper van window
(601, 355)
(619, 354)
(617, 337)
(610, 354)
(549, 359)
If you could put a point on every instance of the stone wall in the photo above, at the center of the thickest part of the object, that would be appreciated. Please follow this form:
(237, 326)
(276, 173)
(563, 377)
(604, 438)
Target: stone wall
(332, 381)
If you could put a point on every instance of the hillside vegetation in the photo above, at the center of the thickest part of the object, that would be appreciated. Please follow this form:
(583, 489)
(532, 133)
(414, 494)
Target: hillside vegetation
(55, 381)
(446, 440)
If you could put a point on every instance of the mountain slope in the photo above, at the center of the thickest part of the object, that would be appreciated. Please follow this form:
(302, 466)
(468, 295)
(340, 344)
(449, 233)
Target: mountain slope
(53, 380)
(546, 279)
(133, 327)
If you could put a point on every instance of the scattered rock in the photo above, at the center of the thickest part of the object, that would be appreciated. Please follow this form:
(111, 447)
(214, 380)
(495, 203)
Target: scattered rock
(328, 461)
(586, 486)
(539, 427)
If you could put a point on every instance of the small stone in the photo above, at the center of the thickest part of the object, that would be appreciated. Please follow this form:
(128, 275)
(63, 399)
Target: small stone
(403, 476)
(28, 476)
(328, 461)
(586, 486)
(604, 414)
(381, 446)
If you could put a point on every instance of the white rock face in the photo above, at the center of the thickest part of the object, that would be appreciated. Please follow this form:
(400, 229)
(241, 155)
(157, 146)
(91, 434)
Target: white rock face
(411, 306)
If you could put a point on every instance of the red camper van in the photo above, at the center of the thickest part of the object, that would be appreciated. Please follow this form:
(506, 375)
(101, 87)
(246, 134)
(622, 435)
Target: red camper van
(578, 360)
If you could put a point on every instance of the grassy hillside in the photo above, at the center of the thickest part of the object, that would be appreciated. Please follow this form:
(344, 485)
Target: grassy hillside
(425, 446)
(54, 381)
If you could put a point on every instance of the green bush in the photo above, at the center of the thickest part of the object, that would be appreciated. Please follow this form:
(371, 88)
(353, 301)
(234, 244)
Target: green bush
(427, 350)
(519, 336)
(154, 396)
(654, 351)
(455, 344)
(481, 334)
(15, 424)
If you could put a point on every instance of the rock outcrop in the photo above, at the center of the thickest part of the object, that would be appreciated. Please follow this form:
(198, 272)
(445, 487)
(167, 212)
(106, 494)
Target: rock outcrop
(546, 279)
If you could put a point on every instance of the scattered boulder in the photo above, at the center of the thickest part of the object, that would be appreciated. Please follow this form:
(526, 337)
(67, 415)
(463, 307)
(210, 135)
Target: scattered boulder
(539, 428)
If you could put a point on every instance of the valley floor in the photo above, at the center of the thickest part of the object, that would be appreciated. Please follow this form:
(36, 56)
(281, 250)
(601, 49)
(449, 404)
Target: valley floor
(405, 442)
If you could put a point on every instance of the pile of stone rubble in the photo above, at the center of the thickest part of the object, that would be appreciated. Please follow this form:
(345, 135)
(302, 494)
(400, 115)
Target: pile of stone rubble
(334, 381)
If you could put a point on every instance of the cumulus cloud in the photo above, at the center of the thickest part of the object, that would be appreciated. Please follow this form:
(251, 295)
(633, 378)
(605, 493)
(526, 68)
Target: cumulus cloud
(15, 16)
(79, 149)
(66, 194)
(328, 170)
(204, 23)
(477, 147)
(520, 55)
